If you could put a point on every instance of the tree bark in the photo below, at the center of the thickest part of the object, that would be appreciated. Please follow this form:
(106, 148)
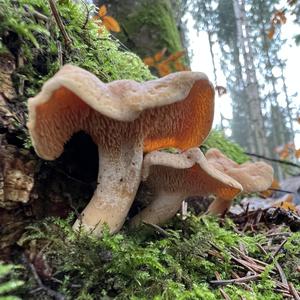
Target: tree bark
(257, 129)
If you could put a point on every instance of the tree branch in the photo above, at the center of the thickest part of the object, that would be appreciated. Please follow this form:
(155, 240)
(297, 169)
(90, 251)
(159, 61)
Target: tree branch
(274, 160)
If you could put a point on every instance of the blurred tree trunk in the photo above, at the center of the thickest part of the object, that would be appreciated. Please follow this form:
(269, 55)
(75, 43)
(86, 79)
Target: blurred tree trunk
(147, 26)
(259, 139)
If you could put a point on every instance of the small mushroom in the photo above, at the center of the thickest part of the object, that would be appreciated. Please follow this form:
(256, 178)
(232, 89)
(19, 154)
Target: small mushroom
(124, 118)
(254, 177)
(174, 177)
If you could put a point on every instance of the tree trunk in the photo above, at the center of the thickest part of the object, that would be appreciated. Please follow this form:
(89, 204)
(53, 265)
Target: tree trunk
(257, 130)
(147, 26)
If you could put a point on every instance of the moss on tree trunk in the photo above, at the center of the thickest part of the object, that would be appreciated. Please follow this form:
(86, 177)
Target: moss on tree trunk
(147, 25)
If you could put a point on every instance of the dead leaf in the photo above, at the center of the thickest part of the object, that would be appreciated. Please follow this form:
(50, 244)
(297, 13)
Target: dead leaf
(102, 11)
(111, 24)
(271, 32)
(163, 69)
(149, 61)
(159, 55)
(174, 56)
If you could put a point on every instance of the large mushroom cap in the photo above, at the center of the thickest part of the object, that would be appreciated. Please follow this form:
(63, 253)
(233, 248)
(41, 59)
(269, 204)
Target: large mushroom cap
(254, 177)
(188, 172)
(173, 111)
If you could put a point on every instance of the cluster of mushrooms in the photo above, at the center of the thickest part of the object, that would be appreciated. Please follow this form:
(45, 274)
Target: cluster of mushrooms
(126, 120)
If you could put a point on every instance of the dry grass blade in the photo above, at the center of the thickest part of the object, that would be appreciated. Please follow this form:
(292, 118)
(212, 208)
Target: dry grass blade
(233, 281)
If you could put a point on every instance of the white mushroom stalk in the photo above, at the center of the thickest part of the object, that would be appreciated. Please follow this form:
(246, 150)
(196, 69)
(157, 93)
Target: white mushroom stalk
(124, 119)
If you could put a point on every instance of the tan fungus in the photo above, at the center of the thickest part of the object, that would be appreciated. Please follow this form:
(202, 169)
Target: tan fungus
(124, 118)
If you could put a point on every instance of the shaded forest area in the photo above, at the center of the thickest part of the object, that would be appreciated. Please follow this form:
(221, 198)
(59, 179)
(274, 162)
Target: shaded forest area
(172, 244)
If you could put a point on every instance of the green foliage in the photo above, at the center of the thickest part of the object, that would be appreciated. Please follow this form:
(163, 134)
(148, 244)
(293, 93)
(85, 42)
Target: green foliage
(141, 265)
(8, 282)
(291, 260)
(42, 45)
(217, 139)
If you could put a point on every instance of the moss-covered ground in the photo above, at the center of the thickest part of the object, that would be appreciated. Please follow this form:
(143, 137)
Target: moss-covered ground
(181, 261)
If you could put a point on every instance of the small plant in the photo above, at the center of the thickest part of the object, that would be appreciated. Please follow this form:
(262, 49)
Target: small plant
(8, 284)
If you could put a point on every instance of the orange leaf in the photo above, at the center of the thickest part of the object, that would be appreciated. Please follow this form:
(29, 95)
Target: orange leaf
(149, 61)
(111, 24)
(280, 17)
(288, 203)
(102, 11)
(175, 55)
(179, 66)
(271, 32)
(158, 56)
(163, 69)
(297, 153)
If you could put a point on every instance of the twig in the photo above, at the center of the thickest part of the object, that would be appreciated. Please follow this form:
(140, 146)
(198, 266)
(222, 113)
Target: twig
(279, 248)
(158, 229)
(59, 23)
(279, 234)
(280, 190)
(274, 160)
(281, 273)
(35, 13)
(224, 294)
(237, 280)
(50, 292)
(294, 291)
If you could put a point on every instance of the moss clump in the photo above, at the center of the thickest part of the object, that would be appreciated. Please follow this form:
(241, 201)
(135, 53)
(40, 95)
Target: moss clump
(28, 30)
(8, 282)
(217, 139)
(143, 265)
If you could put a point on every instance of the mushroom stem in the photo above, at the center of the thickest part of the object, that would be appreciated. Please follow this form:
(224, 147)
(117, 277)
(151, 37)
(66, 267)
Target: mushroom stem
(118, 180)
(219, 206)
(161, 209)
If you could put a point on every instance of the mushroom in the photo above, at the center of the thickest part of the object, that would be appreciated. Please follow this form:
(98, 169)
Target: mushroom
(124, 118)
(254, 177)
(174, 177)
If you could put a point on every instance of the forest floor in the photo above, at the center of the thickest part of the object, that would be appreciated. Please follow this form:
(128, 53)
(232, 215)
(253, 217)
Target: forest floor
(251, 255)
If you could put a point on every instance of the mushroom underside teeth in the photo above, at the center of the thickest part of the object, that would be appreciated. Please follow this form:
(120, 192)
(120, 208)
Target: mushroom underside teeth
(118, 180)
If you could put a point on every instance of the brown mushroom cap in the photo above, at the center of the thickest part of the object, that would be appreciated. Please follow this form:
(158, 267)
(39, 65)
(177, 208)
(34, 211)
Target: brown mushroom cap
(254, 177)
(124, 118)
(173, 111)
(174, 177)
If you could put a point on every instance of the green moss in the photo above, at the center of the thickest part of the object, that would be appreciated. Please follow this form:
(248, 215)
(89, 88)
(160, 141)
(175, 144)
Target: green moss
(42, 46)
(142, 265)
(217, 139)
(8, 282)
